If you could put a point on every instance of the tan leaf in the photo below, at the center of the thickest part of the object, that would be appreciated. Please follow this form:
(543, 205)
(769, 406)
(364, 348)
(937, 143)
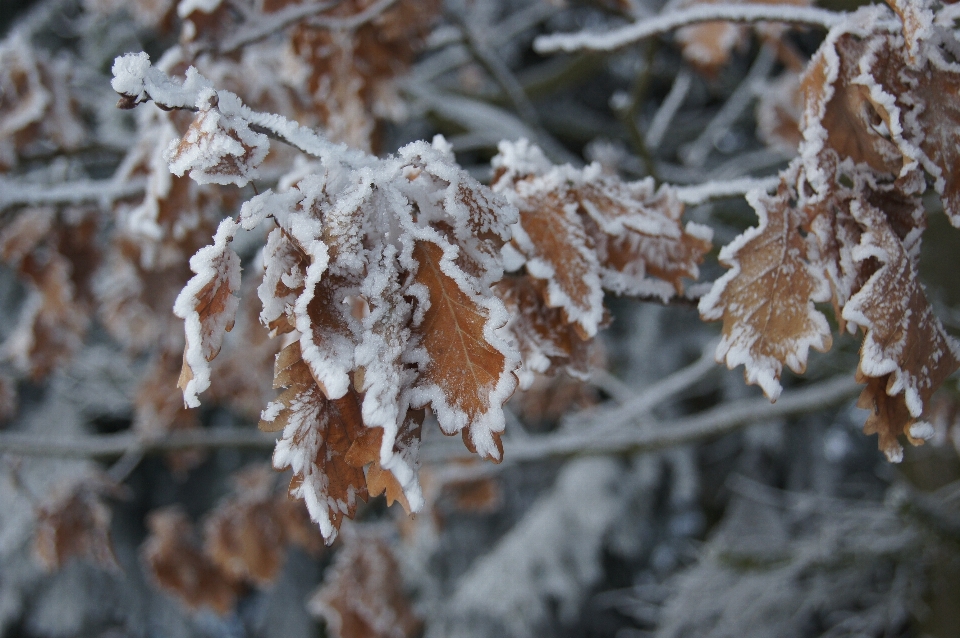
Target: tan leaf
(904, 342)
(362, 594)
(543, 337)
(75, 524)
(208, 305)
(552, 238)
(930, 118)
(851, 122)
(467, 378)
(779, 108)
(317, 434)
(218, 149)
(175, 562)
(766, 299)
(349, 74)
(246, 540)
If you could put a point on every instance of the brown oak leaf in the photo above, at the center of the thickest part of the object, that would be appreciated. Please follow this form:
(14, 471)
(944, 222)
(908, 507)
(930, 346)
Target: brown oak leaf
(175, 561)
(362, 595)
(904, 343)
(76, 523)
(208, 305)
(766, 299)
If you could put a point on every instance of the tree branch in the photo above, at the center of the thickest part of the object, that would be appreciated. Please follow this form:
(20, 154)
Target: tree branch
(672, 20)
(107, 446)
(597, 440)
(601, 440)
(19, 193)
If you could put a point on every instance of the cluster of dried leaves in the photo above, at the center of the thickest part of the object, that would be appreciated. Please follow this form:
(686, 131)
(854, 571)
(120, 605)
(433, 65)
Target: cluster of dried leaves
(878, 111)
(390, 289)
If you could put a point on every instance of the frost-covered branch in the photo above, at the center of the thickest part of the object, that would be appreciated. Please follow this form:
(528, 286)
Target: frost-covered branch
(593, 441)
(700, 193)
(649, 437)
(288, 16)
(104, 192)
(138, 82)
(617, 38)
(105, 446)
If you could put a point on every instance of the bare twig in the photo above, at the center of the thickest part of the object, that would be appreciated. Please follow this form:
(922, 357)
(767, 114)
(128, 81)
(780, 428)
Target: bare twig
(501, 74)
(671, 104)
(672, 20)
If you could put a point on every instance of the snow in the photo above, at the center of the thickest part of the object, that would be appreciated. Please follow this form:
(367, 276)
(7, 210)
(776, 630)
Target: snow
(186, 7)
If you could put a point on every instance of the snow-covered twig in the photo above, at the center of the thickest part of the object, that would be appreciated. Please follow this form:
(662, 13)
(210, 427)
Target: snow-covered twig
(138, 82)
(663, 390)
(105, 446)
(657, 436)
(104, 192)
(272, 23)
(611, 40)
(700, 193)
(591, 441)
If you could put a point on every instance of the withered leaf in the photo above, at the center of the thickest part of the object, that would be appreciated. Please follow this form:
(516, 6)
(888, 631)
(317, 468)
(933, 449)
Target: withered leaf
(75, 524)
(362, 595)
(467, 378)
(208, 305)
(317, 434)
(766, 299)
(176, 563)
(904, 343)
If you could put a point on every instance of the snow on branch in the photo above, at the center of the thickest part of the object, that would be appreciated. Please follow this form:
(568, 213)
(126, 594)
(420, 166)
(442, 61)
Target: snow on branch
(700, 193)
(20, 193)
(611, 40)
(137, 81)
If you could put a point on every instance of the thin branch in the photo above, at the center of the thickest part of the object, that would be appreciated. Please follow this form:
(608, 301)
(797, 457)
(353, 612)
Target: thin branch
(105, 192)
(663, 390)
(272, 23)
(671, 104)
(355, 21)
(106, 446)
(591, 441)
(721, 420)
(672, 20)
(701, 193)
(501, 74)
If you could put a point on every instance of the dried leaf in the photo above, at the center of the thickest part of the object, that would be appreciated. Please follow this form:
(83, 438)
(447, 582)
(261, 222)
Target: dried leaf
(317, 434)
(467, 378)
(766, 299)
(208, 306)
(75, 524)
(218, 149)
(840, 112)
(174, 560)
(362, 595)
(904, 343)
